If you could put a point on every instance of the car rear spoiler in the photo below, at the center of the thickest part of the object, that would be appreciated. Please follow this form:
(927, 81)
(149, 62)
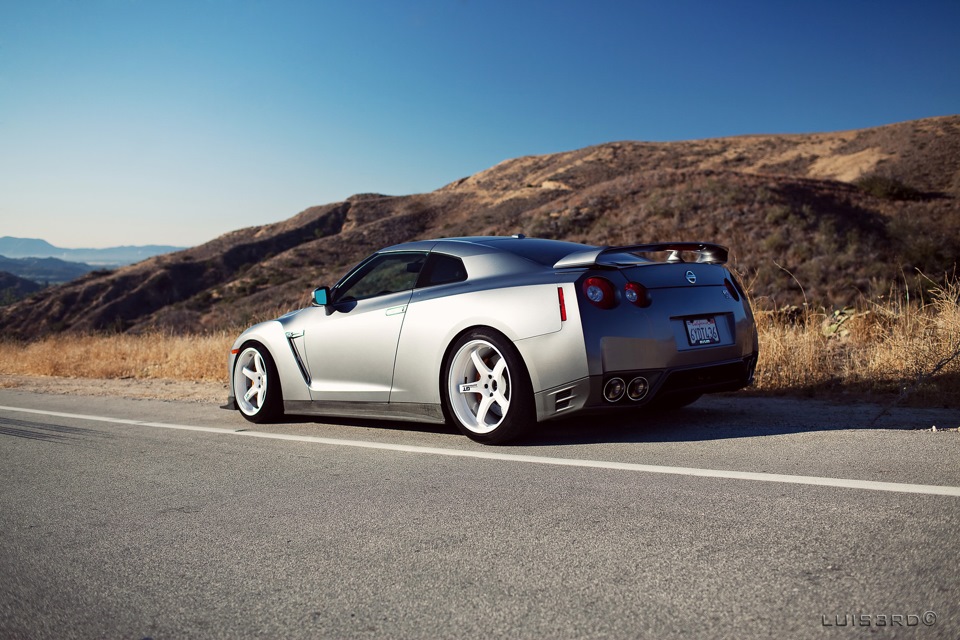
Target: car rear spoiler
(706, 254)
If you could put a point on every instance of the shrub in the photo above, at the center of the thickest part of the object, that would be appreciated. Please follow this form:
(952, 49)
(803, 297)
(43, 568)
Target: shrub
(887, 188)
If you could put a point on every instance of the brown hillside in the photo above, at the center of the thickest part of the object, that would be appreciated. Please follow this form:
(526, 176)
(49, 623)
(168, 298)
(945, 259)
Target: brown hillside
(848, 214)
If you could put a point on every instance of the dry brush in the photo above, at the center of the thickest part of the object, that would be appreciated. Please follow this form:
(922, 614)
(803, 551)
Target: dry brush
(893, 348)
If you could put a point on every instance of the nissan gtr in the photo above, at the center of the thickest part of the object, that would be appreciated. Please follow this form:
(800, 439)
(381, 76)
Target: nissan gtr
(495, 334)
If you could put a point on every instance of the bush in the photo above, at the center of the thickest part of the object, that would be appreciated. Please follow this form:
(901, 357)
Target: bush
(887, 188)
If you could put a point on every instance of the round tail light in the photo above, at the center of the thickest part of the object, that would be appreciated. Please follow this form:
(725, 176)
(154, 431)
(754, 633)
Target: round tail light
(600, 292)
(636, 294)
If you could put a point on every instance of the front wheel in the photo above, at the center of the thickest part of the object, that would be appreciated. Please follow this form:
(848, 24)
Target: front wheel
(256, 384)
(485, 388)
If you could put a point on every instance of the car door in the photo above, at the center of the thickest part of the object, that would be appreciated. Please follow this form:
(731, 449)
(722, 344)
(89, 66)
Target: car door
(351, 343)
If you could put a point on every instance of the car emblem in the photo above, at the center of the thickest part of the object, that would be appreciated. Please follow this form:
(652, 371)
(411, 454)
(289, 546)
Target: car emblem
(691, 277)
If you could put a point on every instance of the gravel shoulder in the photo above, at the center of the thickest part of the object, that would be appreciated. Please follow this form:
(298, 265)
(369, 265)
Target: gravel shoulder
(157, 389)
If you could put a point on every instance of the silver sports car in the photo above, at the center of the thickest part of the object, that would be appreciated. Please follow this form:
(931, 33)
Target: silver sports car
(493, 334)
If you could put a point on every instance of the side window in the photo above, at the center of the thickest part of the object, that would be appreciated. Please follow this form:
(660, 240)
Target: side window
(442, 269)
(385, 273)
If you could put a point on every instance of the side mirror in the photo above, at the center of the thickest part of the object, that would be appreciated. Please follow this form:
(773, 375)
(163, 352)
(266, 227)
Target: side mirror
(321, 296)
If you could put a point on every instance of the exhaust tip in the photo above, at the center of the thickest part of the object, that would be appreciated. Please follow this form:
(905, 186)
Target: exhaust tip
(638, 388)
(614, 389)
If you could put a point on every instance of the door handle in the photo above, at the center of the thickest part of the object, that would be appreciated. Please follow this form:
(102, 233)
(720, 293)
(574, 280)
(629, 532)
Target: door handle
(395, 311)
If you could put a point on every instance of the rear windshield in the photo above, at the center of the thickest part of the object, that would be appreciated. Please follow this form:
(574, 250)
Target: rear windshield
(539, 250)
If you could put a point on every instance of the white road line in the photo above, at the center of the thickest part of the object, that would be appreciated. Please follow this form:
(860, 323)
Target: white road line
(937, 490)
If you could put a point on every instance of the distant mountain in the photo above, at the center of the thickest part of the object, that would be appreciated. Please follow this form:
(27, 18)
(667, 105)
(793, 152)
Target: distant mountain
(110, 257)
(827, 218)
(44, 270)
(13, 288)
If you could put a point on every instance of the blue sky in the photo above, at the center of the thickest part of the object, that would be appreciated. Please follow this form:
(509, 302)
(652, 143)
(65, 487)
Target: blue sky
(136, 122)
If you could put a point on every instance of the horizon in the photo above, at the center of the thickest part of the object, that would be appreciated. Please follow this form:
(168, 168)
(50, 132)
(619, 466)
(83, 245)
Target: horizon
(56, 246)
(130, 123)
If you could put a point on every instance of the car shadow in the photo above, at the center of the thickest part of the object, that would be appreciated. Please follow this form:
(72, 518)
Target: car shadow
(710, 418)
(726, 417)
(370, 423)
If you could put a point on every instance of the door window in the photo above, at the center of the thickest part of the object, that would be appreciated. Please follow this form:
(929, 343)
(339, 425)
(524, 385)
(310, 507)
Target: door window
(384, 273)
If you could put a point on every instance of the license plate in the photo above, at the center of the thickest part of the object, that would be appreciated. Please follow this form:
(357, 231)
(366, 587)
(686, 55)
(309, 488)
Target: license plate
(702, 331)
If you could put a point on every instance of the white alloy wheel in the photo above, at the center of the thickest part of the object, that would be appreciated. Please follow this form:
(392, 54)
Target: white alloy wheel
(252, 375)
(479, 386)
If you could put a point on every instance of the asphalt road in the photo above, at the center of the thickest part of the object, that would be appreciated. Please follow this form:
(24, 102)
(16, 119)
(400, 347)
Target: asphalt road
(734, 518)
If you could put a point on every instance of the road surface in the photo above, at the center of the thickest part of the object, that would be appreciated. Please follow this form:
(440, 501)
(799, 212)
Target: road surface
(737, 517)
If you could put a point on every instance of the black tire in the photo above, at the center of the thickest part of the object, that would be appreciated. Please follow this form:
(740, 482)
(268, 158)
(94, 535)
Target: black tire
(485, 389)
(256, 384)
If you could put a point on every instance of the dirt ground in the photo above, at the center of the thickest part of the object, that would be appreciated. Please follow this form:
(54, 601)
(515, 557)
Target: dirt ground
(181, 390)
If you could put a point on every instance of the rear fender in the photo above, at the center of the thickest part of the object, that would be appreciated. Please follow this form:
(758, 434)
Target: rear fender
(434, 323)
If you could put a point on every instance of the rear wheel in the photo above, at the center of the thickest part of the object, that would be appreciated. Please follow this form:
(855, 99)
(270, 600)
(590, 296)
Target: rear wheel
(256, 384)
(485, 388)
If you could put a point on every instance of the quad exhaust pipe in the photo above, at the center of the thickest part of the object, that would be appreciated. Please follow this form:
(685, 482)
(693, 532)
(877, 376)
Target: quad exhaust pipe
(616, 389)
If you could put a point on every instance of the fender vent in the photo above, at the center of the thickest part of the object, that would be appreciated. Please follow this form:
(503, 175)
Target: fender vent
(563, 399)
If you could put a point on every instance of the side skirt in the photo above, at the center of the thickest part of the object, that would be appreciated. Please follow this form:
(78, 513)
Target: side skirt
(405, 411)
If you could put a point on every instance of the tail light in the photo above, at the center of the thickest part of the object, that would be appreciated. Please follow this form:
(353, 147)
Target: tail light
(563, 306)
(731, 289)
(636, 294)
(599, 292)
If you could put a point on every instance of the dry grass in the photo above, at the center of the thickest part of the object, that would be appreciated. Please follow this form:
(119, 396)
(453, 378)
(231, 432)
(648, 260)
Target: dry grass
(894, 349)
(903, 349)
(156, 356)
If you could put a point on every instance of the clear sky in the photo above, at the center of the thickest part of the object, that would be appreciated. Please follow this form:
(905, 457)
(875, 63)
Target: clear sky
(171, 122)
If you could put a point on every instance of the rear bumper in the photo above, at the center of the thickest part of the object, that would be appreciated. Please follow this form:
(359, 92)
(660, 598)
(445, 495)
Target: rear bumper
(724, 376)
(587, 395)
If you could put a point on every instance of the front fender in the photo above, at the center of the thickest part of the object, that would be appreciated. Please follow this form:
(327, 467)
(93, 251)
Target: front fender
(272, 334)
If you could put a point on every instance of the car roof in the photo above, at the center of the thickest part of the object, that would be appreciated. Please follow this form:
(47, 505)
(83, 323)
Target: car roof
(540, 250)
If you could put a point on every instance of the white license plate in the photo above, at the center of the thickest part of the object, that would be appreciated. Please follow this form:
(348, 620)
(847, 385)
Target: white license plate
(702, 331)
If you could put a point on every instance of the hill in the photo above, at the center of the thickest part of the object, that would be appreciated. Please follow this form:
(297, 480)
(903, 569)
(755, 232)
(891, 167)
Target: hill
(109, 257)
(13, 288)
(44, 270)
(843, 214)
